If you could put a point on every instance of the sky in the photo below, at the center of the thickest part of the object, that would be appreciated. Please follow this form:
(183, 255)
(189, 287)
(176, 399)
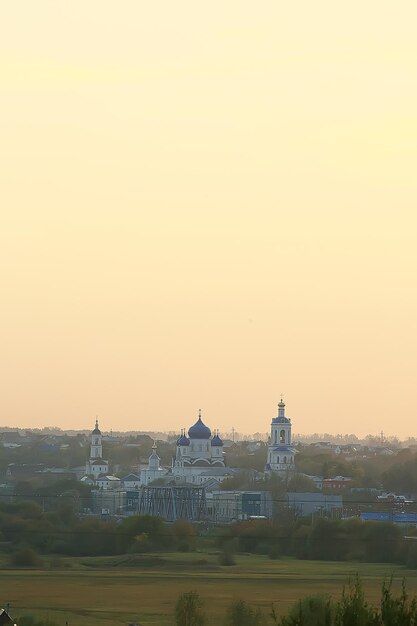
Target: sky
(205, 205)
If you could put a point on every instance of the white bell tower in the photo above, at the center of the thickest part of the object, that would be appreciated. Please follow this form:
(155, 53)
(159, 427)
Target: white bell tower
(96, 449)
(280, 455)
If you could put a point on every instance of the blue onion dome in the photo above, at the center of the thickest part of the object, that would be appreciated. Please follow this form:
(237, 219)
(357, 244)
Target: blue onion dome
(96, 430)
(216, 441)
(183, 440)
(281, 419)
(199, 430)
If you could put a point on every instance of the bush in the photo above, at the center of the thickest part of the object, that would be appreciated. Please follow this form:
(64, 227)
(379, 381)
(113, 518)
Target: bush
(185, 535)
(56, 562)
(411, 559)
(26, 557)
(310, 611)
(227, 555)
(397, 610)
(242, 614)
(189, 610)
(353, 610)
(274, 551)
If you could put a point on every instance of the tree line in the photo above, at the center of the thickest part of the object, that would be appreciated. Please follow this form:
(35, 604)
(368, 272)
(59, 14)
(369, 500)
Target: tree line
(24, 525)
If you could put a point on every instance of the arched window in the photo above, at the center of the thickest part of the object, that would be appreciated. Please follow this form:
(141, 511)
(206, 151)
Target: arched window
(285, 459)
(282, 436)
(276, 434)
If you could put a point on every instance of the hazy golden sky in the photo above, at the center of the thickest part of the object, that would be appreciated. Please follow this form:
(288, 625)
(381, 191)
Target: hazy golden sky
(205, 204)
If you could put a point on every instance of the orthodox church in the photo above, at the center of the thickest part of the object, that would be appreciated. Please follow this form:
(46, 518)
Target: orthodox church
(280, 455)
(199, 457)
(96, 465)
(153, 471)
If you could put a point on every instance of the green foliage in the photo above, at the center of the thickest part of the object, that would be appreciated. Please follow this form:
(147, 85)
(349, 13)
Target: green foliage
(241, 480)
(189, 610)
(381, 542)
(184, 535)
(402, 476)
(240, 613)
(239, 456)
(310, 611)
(143, 533)
(398, 611)
(301, 483)
(26, 557)
(337, 540)
(353, 610)
(227, 554)
(411, 555)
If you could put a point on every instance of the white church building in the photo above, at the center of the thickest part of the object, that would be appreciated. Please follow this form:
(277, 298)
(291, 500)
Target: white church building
(280, 454)
(96, 465)
(153, 471)
(199, 457)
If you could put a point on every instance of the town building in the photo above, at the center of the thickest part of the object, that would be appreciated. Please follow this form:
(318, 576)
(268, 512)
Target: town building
(394, 517)
(336, 484)
(306, 504)
(228, 506)
(131, 481)
(109, 501)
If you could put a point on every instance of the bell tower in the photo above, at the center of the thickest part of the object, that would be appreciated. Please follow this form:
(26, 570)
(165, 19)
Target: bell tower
(280, 455)
(96, 448)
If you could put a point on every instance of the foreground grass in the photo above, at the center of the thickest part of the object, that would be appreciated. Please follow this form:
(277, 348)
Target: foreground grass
(143, 589)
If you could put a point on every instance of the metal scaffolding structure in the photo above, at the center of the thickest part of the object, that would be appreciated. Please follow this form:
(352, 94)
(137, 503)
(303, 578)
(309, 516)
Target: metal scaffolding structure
(173, 503)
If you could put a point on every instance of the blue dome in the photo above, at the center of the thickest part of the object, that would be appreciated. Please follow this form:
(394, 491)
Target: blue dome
(281, 419)
(216, 441)
(183, 441)
(199, 431)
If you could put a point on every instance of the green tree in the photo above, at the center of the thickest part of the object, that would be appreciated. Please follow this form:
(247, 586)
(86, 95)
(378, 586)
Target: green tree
(353, 609)
(189, 610)
(399, 611)
(240, 613)
(310, 611)
(301, 483)
(185, 535)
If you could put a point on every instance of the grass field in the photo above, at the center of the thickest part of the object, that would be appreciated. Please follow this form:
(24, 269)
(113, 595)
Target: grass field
(119, 590)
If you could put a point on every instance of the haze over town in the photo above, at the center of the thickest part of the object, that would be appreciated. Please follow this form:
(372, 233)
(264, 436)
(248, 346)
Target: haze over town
(208, 212)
